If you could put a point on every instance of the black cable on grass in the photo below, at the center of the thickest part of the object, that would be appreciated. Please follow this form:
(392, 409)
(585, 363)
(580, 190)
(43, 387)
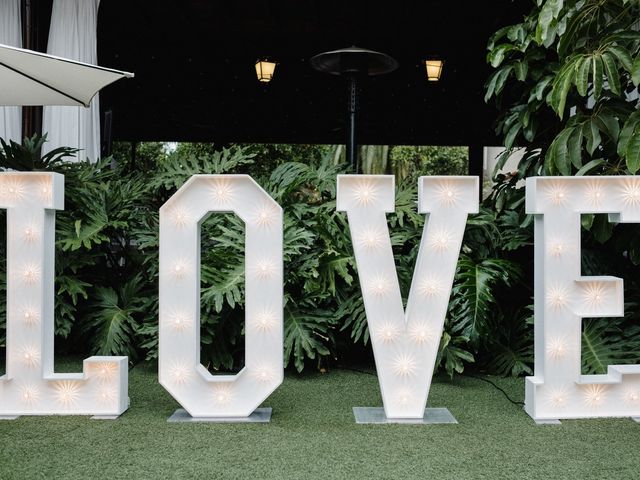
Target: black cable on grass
(506, 395)
(515, 402)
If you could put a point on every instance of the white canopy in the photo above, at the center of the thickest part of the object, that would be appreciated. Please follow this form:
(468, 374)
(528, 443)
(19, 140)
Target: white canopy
(34, 78)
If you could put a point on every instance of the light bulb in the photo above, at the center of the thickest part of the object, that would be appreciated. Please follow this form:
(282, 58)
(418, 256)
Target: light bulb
(371, 239)
(594, 294)
(447, 194)
(179, 269)
(379, 286)
(14, 190)
(180, 373)
(557, 348)
(420, 333)
(557, 297)
(264, 320)
(388, 332)
(556, 193)
(29, 394)
(222, 394)
(365, 193)
(30, 234)
(221, 191)
(179, 321)
(31, 274)
(631, 192)
(594, 395)
(440, 240)
(30, 316)
(404, 365)
(594, 193)
(179, 216)
(430, 287)
(67, 392)
(265, 216)
(263, 374)
(44, 190)
(265, 269)
(404, 397)
(104, 371)
(30, 356)
(106, 395)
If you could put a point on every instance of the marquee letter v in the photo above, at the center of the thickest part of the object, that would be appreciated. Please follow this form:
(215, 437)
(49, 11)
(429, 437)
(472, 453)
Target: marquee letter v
(405, 344)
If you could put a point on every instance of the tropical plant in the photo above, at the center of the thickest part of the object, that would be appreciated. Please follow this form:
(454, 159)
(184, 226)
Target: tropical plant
(566, 84)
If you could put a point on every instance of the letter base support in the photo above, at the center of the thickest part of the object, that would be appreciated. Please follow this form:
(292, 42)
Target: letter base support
(432, 416)
(259, 415)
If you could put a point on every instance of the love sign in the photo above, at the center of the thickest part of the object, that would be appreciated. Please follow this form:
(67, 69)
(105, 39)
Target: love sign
(405, 340)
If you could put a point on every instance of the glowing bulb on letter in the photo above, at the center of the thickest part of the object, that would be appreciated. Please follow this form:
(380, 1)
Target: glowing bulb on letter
(265, 320)
(404, 365)
(594, 395)
(30, 317)
(104, 371)
(180, 373)
(30, 394)
(31, 274)
(221, 191)
(30, 356)
(594, 295)
(557, 348)
(30, 234)
(67, 392)
(557, 297)
(179, 216)
(631, 192)
(222, 394)
(364, 193)
(265, 269)
(388, 332)
(379, 286)
(440, 240)
(265, 216)
(371, 239)
(420, 333)
(447, 194)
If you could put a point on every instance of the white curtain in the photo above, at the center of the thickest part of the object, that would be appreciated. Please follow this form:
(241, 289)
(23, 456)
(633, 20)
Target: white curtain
(73, 34)
(10, 34)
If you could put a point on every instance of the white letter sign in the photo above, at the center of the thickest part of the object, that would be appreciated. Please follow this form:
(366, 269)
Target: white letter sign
(563, 297)
(405, 344)
(29, 386)
(202, 394)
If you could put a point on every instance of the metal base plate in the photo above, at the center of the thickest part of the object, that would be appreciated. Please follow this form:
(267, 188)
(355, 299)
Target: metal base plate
(550, 421)
(9, 417)
(105, 417)
(431, 416)
(259, 415)
(636, 419)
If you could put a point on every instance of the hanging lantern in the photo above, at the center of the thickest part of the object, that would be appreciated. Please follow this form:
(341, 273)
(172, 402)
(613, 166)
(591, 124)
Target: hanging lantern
(265, 70)
(433, 68)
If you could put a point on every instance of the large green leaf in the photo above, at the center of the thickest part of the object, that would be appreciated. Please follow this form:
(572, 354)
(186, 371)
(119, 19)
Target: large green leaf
(632, 155)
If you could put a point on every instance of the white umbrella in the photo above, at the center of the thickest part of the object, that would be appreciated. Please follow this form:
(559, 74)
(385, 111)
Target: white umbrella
(34, 78)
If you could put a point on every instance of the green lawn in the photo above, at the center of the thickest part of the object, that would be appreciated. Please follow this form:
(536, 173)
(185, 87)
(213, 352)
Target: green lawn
(313, 435)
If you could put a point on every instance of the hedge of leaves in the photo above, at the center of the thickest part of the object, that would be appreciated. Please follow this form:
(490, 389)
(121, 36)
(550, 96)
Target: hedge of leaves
(107, 266)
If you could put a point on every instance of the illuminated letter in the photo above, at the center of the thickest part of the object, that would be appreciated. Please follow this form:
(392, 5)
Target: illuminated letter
(405, 344)
(202, 394)
(563, 297)
(30, 387)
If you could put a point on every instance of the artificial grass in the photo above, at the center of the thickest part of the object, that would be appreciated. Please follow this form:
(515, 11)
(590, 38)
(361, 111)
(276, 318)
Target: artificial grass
(312, 434)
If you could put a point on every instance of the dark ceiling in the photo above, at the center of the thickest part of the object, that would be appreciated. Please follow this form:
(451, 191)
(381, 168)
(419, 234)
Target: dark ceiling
(195, 79)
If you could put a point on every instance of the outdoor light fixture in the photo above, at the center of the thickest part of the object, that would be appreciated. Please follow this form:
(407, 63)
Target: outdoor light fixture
(265, 70)
(433, 67)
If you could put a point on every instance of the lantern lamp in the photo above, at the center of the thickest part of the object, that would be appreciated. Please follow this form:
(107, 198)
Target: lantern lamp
(433, 67)
(265, 70)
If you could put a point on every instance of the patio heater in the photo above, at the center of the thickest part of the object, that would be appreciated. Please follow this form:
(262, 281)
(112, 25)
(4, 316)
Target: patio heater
(354, 64)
